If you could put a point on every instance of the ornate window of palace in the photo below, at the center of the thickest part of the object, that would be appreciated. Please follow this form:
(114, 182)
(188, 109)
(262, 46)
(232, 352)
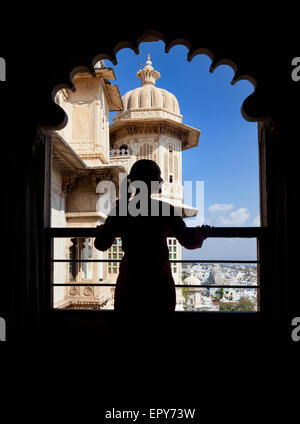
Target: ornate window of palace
(114, 252)
(146, 152)
(171, 171)
(80, 249)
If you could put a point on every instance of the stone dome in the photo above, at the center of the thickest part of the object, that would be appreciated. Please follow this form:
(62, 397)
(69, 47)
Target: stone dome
(149, 97)
(191, 280)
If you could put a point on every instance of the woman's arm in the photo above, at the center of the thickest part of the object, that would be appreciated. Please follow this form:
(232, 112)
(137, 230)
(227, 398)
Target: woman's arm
(188, 237)
(106, 233)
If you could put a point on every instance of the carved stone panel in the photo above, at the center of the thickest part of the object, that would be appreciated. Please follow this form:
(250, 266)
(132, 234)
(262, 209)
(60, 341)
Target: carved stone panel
(81, 121)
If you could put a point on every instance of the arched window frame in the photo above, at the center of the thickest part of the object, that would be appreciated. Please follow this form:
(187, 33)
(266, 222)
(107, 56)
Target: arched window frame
(225, 233)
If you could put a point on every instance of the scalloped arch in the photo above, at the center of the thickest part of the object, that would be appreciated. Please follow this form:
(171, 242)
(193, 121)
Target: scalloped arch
(177, 42)
(126, 45)
(253, 108)
(102, 56)
(77, 69)
(151, 35)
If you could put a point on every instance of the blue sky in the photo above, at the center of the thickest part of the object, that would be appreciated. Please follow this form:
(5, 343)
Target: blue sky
(226, 158)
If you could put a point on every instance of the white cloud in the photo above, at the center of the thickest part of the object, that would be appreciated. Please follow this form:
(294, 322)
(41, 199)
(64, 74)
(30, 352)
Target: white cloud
(256, 221)
(195, 221)
(221, 207)
(236, 218)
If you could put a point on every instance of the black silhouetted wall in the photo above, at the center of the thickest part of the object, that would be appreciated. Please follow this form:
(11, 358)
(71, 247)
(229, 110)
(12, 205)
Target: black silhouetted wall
(43, 59)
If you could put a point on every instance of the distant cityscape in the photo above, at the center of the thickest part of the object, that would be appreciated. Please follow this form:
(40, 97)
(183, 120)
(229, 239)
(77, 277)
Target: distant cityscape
(213, 297)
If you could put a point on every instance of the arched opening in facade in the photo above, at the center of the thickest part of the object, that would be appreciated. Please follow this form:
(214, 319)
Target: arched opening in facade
(85, 290)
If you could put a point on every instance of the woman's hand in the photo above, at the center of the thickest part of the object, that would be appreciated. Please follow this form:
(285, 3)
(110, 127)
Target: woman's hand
(205, 230)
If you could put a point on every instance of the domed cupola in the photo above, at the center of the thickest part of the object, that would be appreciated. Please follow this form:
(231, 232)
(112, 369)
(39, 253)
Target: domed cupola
(148, 75)
(150, 127)
(191, 280)
(149, 101)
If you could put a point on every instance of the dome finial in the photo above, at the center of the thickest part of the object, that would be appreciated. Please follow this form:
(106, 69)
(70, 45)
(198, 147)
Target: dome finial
(148, 75)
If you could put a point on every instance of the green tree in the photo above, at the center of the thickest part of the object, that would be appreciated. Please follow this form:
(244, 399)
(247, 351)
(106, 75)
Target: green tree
(244, 304)
(221, 292)
(226, 306)
(186, 293)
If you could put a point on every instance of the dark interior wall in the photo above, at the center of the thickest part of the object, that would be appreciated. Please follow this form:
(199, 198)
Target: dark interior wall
(42, 59)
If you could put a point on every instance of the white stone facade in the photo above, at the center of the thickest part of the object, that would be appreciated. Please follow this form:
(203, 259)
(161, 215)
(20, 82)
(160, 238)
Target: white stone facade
(148, 125)
(80, 161)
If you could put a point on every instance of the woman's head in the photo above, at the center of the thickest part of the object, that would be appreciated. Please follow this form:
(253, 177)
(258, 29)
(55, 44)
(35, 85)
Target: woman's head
(147, 171)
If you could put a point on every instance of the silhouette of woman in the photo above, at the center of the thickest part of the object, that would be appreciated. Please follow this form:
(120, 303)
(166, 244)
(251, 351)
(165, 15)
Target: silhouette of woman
(145, 282)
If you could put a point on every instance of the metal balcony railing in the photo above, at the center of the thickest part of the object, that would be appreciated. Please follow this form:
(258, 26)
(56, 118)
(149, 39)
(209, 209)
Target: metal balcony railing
(216, 232)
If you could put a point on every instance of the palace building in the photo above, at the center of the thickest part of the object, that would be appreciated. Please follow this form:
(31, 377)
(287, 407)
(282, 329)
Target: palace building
(147, 125)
